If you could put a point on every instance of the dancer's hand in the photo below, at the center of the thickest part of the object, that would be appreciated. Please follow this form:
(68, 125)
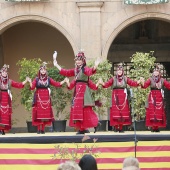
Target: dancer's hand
(97, 62)
(28, 79)
(55, 56)
(142, 80)
(55, 60)
(100, 81)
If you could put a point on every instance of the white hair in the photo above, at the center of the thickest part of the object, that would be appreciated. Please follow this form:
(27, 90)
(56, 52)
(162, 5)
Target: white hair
(130, 161)
(69, 165)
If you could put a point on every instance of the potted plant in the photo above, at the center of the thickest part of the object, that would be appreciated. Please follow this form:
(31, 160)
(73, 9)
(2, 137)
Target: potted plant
(102, 96)
(28, 68)
(61, 98)
(141, 66)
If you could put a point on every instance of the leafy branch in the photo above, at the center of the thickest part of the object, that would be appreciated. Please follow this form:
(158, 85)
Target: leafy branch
(74, 154)
(142, 63)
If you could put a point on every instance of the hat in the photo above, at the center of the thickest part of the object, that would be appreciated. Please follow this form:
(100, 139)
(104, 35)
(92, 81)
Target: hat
(157, 67)
(43, 66)
(5, 67)
(80, 56)
(120, 66)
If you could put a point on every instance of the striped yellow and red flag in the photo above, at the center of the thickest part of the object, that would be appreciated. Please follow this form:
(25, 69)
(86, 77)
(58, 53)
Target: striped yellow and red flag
(152, 155)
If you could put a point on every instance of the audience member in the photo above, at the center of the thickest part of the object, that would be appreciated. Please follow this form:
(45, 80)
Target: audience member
(130, 163)
(88, 162)
(69, 165)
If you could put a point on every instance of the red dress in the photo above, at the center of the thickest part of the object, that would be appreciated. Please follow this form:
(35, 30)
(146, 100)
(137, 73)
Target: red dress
(82, 115)
(6, 104)
(155, 113)
(119, 110)
(42, 112)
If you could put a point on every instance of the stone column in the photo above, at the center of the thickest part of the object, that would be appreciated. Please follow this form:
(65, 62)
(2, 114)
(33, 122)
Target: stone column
(90, 27)
(1, 53)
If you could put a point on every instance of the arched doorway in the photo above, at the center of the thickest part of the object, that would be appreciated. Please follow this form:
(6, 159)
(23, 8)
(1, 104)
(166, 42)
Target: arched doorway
(32, 39)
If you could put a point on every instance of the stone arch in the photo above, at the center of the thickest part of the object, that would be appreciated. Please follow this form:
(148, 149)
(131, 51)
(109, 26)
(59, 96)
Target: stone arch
(19, 19)
(128, 22)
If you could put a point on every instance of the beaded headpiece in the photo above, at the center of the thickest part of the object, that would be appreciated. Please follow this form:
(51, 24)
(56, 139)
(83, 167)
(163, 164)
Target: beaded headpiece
(5, 67)
(43, 66)
(120, 66)
(80, 56)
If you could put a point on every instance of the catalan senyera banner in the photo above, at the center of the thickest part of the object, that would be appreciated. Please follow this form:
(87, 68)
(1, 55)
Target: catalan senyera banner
(152, 155)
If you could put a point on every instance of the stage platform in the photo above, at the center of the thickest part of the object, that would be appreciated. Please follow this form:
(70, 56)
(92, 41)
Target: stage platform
(71, 137)
(31, 151)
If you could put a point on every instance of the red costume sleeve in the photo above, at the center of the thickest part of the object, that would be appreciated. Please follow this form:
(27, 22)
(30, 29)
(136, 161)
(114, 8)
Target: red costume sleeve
(55, 83)
(147, 83)
(33, 84)
(132, 82)
(167, 84)
(108, 83)
(16, 84)
(92, 85)
(89, 71)
(72, 84)
(67, 72)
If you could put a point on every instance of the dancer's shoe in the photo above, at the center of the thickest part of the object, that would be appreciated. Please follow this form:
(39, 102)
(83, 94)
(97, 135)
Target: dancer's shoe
(38, 132)
(3, 132)
(97, 127)
(42, 132)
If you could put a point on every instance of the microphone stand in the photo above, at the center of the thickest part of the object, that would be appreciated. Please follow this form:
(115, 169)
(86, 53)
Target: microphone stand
(135, 138)
(134, 120)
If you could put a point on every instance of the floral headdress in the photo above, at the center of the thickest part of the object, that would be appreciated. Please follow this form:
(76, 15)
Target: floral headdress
(80, 56)
(5, 68)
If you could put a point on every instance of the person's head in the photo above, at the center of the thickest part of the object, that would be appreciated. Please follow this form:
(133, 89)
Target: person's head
(42, 70)
(88, 162)
(156, 70)
(131, 168)
(69, 165)
(119, 70)
(4, 71)
(80, 59)
(130, 161)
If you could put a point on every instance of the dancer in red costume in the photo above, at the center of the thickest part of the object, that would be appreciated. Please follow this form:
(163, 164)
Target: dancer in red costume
(82, 116)
(6, 98)
(42, 113)
(155, 113)
(119, 111)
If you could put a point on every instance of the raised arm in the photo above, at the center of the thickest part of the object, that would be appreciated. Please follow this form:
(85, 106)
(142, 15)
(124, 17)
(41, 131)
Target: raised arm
(132, 83)
(146, 84)
(167, 84)
(71, 84)
(55, 60)
(92, 85)
(108, 83)
(18, 85)
(56, 83)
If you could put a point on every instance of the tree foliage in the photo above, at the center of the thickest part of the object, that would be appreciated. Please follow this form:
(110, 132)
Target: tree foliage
(101, 95)
(142, 64)
(28, 68)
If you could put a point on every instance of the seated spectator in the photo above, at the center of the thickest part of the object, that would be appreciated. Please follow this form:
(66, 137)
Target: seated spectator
(88, 162)
(69, 165)
(131, 162)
